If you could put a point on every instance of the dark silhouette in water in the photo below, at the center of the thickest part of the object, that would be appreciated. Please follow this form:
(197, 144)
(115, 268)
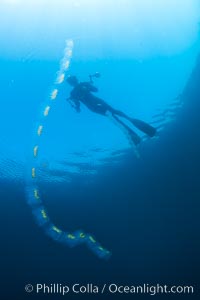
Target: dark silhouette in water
(83, 92)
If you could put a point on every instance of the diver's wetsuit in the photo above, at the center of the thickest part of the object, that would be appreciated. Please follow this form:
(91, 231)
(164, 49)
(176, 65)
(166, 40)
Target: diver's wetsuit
(82, 92)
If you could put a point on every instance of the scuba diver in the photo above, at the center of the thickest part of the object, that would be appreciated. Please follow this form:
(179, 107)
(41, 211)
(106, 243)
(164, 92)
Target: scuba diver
(82, 92)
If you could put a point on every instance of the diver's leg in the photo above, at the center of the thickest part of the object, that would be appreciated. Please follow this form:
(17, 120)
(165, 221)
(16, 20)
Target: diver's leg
(119, 113)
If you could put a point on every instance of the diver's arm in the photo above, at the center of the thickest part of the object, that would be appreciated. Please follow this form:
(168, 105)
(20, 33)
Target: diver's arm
(77, 105)
(91, 80)
(74, 103)
(93, 89)
(90, 87)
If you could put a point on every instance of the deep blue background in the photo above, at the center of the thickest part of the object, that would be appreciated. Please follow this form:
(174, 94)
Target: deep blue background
(155, 218)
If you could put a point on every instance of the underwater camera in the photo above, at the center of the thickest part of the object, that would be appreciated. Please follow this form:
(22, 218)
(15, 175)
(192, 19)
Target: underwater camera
(95, 75)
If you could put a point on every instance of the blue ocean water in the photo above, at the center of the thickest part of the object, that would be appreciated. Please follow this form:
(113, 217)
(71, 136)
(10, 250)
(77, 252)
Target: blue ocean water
(144, 210)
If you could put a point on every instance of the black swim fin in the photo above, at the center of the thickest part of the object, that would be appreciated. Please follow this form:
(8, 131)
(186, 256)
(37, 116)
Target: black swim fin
(133, 136)
(143, 126)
